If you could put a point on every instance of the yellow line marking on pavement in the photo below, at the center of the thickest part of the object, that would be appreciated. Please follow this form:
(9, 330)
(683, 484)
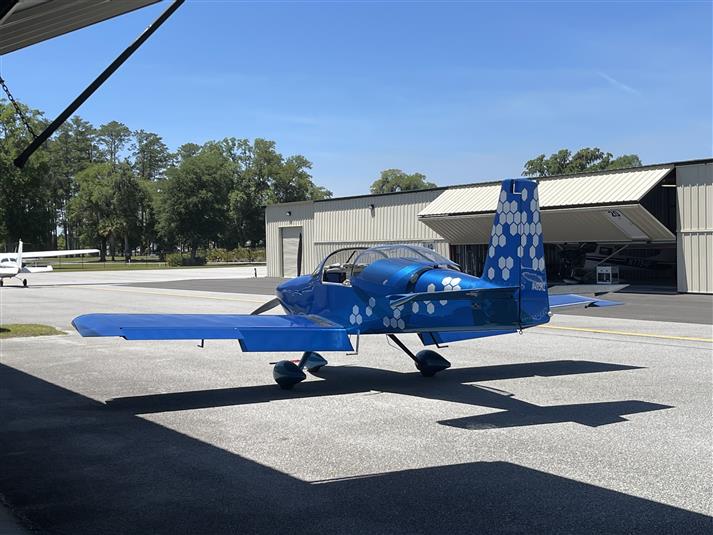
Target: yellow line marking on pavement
(627, 333)
(190, 294)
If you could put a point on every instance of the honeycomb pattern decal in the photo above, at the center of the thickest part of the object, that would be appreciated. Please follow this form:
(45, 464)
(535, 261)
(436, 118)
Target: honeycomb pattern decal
(395, 321)
(355, 318)
(370, 309)
(509, 222)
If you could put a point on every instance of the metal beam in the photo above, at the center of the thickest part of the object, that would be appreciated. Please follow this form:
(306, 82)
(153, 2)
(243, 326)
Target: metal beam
(6, 8)
(21, 160)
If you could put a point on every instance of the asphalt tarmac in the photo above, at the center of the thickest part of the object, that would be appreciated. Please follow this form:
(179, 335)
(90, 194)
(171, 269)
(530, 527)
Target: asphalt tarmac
(588, 425)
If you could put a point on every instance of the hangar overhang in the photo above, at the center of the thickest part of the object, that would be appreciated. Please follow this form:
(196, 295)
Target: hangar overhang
(27, 22)
(601, 207)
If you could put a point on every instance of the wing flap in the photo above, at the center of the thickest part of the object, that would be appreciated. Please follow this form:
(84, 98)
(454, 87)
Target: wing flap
(255, 333)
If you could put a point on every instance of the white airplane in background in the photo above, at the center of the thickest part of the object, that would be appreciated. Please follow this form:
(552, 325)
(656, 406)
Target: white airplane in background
(11, 263)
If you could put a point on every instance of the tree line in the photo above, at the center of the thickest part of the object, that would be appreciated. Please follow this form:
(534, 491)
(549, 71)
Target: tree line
(121, 190)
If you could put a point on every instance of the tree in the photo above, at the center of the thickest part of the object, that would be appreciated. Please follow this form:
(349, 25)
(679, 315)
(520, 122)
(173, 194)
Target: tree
(187, 150)
(256, 166)
(393, 180)
(294, 183)
(127, 199)
(26, 202)
(113, 136)
(151, 155)
(261, 176)
(194, 199)
(90, 210)
(563, 162)
(73, 149)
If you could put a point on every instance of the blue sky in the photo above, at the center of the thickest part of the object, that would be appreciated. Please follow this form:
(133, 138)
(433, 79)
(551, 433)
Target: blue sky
(462, 91)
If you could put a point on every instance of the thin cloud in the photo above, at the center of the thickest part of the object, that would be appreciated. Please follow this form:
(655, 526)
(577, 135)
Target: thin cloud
(618, 84)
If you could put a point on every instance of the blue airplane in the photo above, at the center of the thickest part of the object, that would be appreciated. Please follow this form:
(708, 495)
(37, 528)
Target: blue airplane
(388, 290)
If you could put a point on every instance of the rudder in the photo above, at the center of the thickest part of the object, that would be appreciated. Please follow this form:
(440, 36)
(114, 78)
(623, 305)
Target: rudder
(516, 253)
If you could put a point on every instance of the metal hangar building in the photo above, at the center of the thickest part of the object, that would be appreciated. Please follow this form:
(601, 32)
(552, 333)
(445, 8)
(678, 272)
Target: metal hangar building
(650, 226)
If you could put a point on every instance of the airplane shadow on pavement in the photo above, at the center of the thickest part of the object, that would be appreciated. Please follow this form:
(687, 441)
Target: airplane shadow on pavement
(450, 385)
(71, 464)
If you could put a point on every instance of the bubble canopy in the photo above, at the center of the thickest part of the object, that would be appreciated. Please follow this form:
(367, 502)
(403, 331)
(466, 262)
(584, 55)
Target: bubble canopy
(345, 264)
(406, 252)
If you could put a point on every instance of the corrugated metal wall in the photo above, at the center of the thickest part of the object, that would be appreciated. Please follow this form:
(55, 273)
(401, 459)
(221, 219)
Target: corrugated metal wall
(393, 217)
(330, 225)
(694, 192)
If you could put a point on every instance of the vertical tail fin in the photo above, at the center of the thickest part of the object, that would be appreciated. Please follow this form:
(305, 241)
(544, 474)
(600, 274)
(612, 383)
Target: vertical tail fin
(18, 259)
(516, 253)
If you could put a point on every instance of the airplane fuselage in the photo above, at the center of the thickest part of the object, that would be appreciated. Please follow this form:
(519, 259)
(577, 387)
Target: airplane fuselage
(364, 303)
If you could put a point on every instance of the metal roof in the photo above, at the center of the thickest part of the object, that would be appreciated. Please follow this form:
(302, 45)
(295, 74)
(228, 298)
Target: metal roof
(608, 187)
(26, 22)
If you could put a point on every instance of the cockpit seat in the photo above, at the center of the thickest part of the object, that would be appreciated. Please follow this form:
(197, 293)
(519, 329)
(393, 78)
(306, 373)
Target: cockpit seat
(337, 275)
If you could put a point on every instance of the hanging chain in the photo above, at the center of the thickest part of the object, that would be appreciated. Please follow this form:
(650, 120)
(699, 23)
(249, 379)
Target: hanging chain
(17, 107)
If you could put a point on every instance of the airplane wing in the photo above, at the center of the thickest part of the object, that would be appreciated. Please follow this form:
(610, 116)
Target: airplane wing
(52, 254)
(254, 333)
(37, 269)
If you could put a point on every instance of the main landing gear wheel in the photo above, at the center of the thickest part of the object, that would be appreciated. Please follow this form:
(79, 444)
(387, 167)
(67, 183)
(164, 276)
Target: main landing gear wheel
(2, 282)
(429, 363)
(24, 283)
(287, 374)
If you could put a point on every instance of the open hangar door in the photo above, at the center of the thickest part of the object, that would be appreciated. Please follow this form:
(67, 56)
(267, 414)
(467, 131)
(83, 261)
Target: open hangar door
(634, 263)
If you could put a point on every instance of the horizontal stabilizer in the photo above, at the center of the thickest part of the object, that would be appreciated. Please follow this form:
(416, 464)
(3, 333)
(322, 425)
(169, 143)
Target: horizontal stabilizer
(587, 289)
(569, 300)
(506, 292)
(255, 333)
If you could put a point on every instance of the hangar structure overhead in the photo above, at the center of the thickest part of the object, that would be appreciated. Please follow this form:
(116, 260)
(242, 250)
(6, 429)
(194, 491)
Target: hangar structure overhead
(28, 22)
(607, 207)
